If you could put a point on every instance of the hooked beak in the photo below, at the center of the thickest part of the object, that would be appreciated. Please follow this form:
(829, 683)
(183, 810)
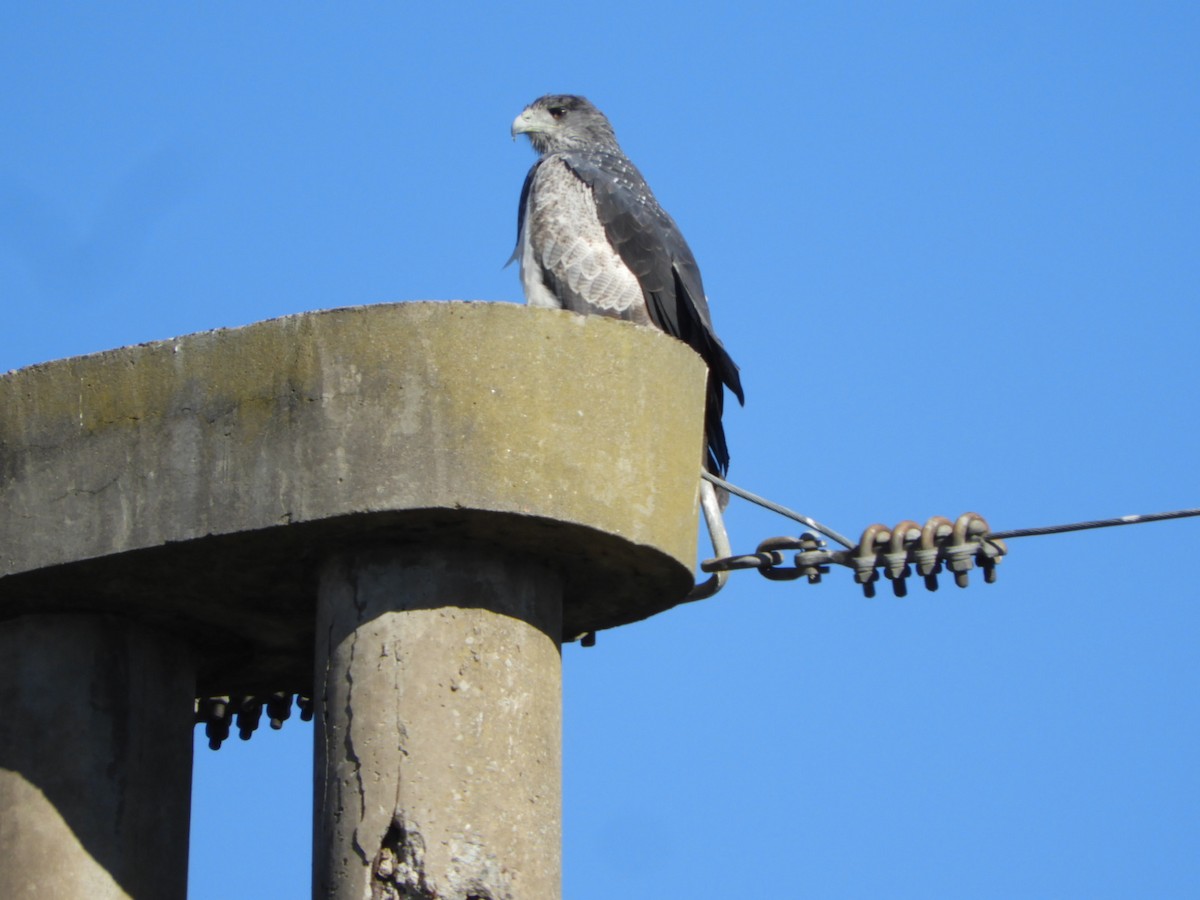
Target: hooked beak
(530, 121)
(521, 124)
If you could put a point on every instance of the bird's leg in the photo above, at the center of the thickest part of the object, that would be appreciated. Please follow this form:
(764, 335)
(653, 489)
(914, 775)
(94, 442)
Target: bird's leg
(710, 505)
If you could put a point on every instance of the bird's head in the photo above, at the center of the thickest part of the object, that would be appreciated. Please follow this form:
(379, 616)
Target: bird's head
(559, 122)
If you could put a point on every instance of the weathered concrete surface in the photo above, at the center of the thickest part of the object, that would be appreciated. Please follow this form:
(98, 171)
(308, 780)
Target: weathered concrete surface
(438, 738)
(95, 759)
(154, 480)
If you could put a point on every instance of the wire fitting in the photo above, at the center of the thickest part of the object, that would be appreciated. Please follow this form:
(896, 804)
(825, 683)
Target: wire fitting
(219, 714)
(894, 553)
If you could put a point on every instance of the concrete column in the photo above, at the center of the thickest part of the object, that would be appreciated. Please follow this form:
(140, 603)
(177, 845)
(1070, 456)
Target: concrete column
(438, 738)
(95, 759)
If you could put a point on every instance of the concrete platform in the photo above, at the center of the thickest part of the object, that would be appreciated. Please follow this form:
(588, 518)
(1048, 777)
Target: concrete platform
(197, 484)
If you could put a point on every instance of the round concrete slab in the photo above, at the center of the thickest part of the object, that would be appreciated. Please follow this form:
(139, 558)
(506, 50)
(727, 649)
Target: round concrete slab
(197, 483)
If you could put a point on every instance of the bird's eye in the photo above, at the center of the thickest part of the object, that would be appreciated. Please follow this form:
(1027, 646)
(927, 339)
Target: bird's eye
(557, 112)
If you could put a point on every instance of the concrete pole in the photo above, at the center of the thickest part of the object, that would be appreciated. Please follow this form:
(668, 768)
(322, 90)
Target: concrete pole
(95, 759)
(438, 738)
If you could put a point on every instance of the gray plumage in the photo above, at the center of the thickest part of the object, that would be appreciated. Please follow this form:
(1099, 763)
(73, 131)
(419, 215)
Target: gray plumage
(591, 238)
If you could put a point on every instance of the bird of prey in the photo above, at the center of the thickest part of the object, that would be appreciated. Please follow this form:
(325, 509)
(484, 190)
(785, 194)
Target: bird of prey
(591, 238)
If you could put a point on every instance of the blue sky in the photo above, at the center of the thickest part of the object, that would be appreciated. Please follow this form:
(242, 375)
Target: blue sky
(954, 248)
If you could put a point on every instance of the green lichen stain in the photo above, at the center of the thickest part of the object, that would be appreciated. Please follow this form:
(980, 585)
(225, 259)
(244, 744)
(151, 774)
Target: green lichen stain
(481, 405)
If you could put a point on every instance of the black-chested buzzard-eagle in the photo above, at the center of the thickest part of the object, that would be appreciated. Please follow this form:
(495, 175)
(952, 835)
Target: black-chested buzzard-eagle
(591, 238)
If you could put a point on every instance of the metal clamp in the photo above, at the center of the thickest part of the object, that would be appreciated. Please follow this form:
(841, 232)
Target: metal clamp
(938, 545)
(219, 714)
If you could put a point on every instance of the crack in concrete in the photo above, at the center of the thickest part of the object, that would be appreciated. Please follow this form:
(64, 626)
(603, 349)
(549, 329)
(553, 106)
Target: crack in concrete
(348, 740)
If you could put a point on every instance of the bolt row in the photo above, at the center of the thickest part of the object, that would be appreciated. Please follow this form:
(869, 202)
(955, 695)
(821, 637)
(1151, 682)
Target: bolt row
(219, 714)
(882, 552)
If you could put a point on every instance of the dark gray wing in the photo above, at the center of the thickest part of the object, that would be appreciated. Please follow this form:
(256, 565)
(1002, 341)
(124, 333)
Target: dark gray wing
(652, 246)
